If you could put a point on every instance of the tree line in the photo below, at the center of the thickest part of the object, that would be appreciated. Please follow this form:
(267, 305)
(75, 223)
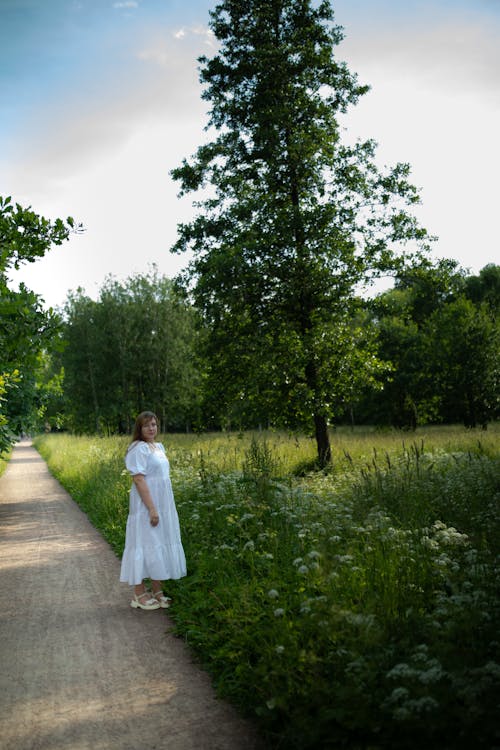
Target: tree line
(134, 348)
(267, 325)
(434, 338)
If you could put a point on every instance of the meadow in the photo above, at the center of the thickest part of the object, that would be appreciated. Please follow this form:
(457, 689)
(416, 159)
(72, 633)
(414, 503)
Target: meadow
(355, 608)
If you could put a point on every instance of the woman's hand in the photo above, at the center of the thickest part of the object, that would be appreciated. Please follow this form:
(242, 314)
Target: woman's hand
(154, 518)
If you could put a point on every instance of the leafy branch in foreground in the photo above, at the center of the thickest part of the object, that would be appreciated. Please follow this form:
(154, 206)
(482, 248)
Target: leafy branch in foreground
(25, 327)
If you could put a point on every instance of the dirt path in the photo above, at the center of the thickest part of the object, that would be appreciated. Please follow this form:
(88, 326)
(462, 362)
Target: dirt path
(79, 668)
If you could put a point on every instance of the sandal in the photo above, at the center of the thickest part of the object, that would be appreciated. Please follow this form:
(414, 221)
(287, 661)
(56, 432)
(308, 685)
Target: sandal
(163, 601)
(150, 603)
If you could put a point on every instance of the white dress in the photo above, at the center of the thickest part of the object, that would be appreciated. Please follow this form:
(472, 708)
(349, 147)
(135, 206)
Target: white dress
(154, 552)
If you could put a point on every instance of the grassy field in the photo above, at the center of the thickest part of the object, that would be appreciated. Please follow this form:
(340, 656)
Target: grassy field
(356, 608)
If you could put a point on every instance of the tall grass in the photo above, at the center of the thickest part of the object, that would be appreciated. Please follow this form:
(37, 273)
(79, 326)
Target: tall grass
(4, 459)
(356, 608)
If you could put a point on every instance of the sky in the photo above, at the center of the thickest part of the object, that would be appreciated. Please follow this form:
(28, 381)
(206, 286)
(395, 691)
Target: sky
(100, 99)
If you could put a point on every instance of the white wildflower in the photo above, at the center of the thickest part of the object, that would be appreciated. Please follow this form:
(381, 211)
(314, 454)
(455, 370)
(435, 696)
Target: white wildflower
(344, 558)
(433, 674)
(401, 670)
(399, 693)
(246, 517)
(422, 705)
(442, 561)
(429, 543)
(314, 555)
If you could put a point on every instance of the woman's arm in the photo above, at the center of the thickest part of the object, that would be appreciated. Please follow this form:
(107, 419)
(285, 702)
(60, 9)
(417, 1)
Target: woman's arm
(143, 490)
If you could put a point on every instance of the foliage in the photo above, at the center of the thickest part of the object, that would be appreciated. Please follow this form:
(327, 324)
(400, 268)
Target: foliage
(429, 286)
(6, 381)
(51, 397)
(464, 344)
(357, 608)
(134, 348)
(440, 333)
(294, 221)
(26, 236)
(26, 329)
(485, 288)
(433, 359)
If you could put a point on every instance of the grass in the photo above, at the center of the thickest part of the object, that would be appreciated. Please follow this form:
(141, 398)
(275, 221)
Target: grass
(356, 608)
(4, 460)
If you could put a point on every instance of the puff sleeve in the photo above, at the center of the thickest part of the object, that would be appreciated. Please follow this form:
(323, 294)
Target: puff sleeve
(136, 459)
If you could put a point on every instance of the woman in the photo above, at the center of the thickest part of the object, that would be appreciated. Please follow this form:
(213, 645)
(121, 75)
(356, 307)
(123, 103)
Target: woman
(153, 547)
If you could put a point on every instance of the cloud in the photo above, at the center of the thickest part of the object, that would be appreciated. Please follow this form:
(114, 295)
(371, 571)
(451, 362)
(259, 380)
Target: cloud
(160, 51)
(128, 205)
(435, 103)
(126, 4)
(91, 123)
(454, 55)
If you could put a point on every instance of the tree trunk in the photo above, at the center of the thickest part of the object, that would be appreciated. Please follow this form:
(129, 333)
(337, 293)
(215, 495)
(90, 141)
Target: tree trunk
(322, 441)
(471, 409)
(320, 423)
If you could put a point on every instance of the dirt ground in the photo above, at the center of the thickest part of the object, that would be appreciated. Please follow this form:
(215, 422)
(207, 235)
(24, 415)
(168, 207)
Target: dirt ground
(79, 668)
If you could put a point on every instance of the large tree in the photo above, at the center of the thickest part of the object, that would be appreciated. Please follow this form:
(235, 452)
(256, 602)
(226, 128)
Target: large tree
(26, 327)
(294, 219)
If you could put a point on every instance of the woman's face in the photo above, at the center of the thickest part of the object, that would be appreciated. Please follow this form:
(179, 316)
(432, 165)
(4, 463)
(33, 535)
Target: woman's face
(149, 430)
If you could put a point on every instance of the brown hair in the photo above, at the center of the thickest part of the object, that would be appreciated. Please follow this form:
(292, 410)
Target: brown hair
(141, 420)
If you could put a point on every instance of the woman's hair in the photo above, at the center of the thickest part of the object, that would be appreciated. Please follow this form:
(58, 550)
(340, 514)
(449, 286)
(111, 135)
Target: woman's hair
(141, 420)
